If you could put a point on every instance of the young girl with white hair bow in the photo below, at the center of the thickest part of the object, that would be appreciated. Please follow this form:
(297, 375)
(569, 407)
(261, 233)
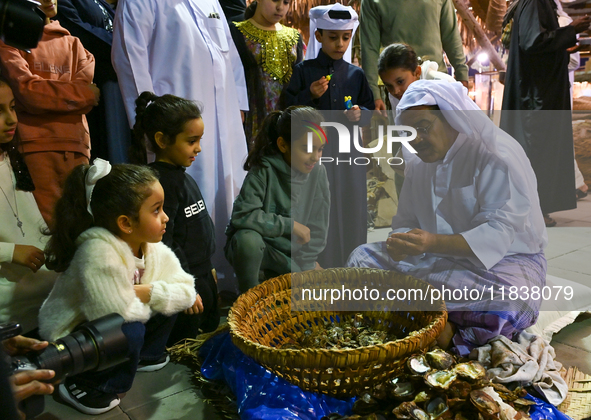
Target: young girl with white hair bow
(106, 242)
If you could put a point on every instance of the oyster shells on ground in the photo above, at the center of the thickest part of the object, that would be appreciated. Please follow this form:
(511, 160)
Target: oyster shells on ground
(440, 379)
(418, 414)
(437, 407)
(485, 403)
(403, 390)
(459, 389)
(417, 364)
(471, 370)
(422, 397)
(439, 359)
(366, 404)
(403, 411)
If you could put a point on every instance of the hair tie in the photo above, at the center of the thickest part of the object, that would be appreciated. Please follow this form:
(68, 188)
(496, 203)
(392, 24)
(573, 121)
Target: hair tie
(99, 169)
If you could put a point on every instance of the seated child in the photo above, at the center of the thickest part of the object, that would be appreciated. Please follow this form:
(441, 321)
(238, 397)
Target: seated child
(174, 127)
(285, 193)
(323, 82)
(24, 280)
(106, 243)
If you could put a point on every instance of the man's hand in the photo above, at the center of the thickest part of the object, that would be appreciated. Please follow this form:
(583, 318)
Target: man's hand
(28, 383)
(302, 232)
(353, 114)
(414, 242)
(28, 256)
(581, 24)
(318, 87)
(143, 292)
(21, 345)
(197, 307)
(465, 83)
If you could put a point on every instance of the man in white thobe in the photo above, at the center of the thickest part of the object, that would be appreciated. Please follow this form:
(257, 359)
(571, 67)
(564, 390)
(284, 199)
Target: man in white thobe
(184, 48)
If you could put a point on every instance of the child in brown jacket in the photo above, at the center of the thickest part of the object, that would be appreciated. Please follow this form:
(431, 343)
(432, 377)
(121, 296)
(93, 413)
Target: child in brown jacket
(53, 89)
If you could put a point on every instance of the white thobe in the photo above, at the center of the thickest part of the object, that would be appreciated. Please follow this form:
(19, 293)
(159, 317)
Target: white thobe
(472, 192)
(184, 48)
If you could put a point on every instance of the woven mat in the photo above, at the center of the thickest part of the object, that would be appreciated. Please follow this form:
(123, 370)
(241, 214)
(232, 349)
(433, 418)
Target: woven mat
(578, 401)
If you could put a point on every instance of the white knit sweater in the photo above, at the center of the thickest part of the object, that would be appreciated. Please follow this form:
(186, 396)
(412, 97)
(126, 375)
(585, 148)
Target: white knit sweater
(98, 282)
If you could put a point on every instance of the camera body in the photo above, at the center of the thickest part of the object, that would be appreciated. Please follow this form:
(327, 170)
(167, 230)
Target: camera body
(93, 346)
(21, 23)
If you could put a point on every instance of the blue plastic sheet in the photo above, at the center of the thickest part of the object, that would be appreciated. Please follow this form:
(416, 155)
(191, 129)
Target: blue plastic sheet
(260, 394)
(544, 410)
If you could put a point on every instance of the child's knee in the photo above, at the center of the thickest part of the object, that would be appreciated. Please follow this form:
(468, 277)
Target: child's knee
(248, 243)
(134, 332)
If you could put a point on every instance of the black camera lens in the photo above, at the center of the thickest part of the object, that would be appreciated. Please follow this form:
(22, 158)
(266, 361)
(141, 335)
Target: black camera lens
(95, 345)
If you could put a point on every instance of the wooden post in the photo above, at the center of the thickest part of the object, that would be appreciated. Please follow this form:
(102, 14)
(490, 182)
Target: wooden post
(471, 23)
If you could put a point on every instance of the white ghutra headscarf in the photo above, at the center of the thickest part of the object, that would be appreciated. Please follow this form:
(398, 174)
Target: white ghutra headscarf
(466, 117)
(320, 19)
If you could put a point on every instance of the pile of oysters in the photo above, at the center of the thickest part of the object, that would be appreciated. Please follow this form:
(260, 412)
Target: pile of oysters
(434, 386)
(350, 334)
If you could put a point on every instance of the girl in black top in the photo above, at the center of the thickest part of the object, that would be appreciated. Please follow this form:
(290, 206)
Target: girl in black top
(174, 127)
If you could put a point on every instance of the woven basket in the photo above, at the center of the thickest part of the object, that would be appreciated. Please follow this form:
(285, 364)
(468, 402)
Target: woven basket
(578, 400)
(261, 320)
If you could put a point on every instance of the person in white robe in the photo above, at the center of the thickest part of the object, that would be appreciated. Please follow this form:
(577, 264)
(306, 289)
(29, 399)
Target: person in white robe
(469, 216)
(184, 48)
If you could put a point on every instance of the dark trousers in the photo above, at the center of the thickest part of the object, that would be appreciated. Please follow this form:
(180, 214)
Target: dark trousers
(146, 342)
(190, 326)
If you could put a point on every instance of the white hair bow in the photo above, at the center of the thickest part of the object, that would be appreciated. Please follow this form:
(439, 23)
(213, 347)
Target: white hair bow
(99, 169)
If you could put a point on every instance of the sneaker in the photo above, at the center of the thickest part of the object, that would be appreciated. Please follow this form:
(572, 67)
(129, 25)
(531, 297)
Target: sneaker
(550, 222)
(88, 400)
(152, 365)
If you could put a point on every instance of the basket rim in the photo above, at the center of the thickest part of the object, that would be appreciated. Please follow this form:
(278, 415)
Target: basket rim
(232, 322)
(384, 346)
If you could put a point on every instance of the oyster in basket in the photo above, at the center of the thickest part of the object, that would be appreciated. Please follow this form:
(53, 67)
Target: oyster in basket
(357, 332)
(440, 379)
(439, 359)
(471, 370)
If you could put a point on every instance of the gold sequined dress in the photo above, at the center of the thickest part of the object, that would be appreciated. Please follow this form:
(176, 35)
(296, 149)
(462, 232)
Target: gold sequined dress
(268, 58)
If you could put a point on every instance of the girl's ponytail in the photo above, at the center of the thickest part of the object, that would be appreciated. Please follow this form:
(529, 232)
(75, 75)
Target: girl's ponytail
(265, 143)
(121, 192)
(137, 150)
(70, 219)
(279, 124)
(250, 10)
(167, 114)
